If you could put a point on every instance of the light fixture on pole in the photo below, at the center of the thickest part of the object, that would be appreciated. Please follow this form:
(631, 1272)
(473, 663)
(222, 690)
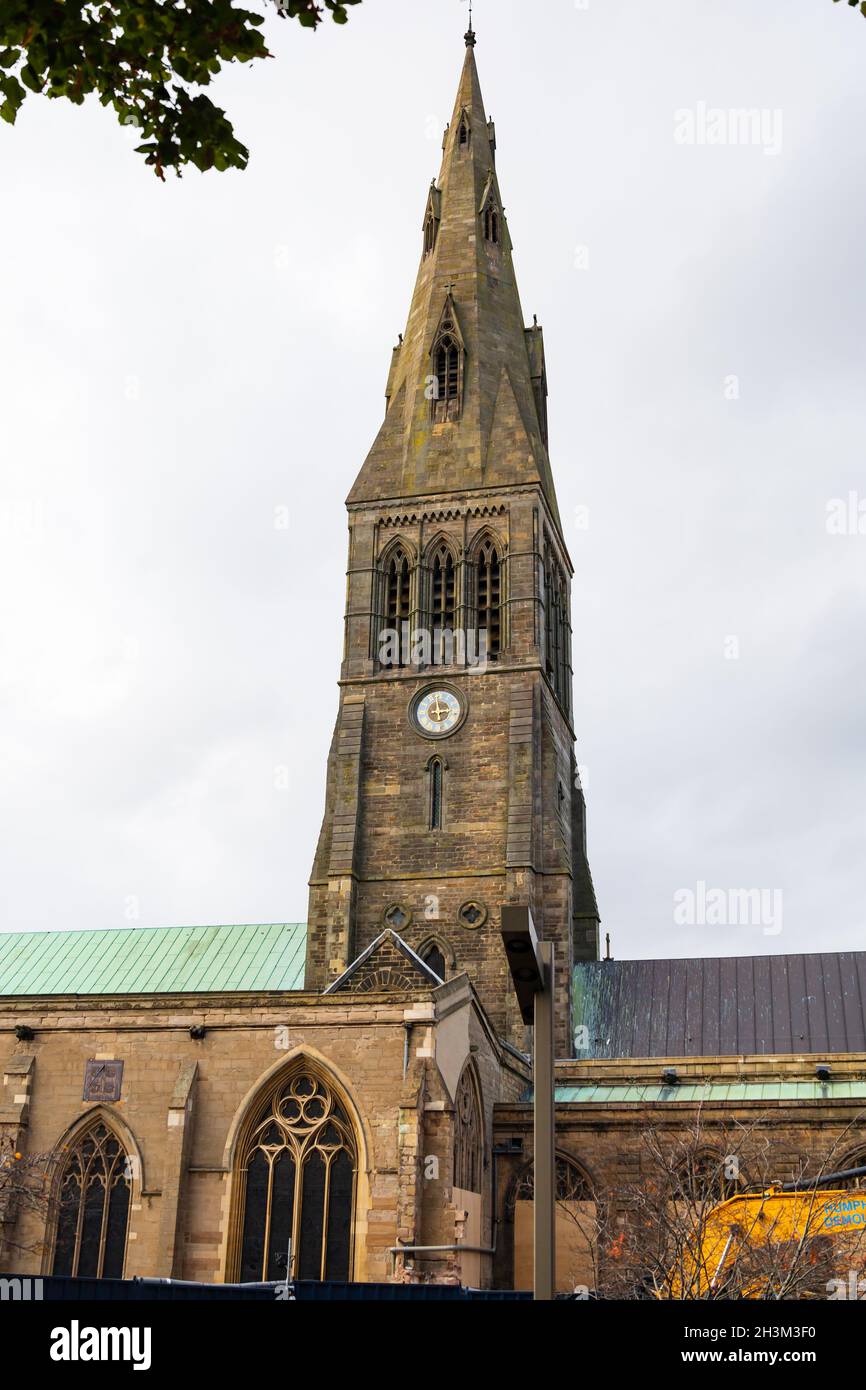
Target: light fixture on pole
(531, 963)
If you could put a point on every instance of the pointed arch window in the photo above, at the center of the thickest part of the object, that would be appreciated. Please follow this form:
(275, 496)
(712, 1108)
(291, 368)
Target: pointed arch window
(468, 1134)
(447, 357)
(299, 1170)
(489, 605)
(432, 214)
(557, 629)
(435, 958)
(93, 1207)
(492, 222)
(577, 1226)
(397, 608)
(464, 133)
(572, 1184)
(447, 362)
(853, 1184)
(436, 772)
(430, 229)
(702, 1177)
(564, 645)
(443, 605)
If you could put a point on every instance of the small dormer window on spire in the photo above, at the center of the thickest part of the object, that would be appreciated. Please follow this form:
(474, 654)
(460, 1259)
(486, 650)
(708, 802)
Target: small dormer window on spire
(447, 369)
(445, 381)
(464, 131)
(492, 222)
(432, 214)
(446, 403)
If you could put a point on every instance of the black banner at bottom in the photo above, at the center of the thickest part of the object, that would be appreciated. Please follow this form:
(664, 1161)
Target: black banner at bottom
(59, 1338)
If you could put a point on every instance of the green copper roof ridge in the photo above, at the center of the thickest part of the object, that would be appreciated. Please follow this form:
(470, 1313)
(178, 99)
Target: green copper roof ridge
(5, 933)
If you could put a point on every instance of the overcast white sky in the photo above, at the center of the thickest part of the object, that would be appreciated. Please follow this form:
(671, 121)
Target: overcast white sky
(180, 360)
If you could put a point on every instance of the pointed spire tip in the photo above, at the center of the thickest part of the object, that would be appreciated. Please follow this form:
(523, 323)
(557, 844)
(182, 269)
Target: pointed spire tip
(469, 36)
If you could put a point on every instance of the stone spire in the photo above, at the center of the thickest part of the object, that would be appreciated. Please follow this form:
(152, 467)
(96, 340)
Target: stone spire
(497, 438)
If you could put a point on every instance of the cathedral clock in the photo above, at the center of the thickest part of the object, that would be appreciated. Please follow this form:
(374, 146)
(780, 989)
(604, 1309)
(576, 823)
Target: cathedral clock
(437, 712)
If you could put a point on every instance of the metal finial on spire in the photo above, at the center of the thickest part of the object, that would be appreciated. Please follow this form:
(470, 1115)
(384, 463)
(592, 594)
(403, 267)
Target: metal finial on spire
(470, 32)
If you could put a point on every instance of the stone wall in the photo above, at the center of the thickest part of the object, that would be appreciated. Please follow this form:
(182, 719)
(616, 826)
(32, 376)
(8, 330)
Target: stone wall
(183, 1101)
(606, 1140)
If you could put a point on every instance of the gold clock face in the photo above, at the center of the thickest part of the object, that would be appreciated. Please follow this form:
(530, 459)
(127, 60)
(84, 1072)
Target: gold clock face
(437, 713)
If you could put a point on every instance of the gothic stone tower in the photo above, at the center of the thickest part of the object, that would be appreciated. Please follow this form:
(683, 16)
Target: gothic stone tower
(452, 783)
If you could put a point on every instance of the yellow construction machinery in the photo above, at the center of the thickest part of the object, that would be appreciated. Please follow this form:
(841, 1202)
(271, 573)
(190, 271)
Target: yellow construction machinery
(735, 1235)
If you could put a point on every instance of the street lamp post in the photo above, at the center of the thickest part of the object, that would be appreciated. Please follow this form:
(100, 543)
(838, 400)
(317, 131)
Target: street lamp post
(532, 973)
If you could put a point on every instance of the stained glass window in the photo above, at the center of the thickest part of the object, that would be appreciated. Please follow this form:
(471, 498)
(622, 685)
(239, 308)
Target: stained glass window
(300, 1167)
(93, 1213)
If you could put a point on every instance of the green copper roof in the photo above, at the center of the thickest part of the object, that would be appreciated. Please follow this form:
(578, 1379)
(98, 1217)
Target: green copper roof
(154, 960)
(712, 1091)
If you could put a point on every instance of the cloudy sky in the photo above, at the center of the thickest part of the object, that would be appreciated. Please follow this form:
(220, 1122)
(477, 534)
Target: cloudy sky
(180, 361)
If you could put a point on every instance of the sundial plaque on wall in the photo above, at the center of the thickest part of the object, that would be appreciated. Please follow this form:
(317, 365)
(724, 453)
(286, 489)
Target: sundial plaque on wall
(102, 1079)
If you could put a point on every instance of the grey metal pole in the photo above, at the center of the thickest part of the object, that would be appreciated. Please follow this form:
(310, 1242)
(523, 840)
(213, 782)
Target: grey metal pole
(545, 1151)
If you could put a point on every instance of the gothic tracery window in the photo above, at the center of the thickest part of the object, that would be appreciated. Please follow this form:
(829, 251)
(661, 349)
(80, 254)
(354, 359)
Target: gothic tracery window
(572, 1185)
(702, 1177)
(577, 1226)
(300, 1167)
(489, 605)
(93, 1207)
(468, 1134)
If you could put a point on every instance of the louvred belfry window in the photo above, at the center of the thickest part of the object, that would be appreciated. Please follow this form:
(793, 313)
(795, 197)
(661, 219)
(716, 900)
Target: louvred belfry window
(490, 597)
(398, 598)
(557, 630)
(300, 1167)
(93, 1208)
(444, 591)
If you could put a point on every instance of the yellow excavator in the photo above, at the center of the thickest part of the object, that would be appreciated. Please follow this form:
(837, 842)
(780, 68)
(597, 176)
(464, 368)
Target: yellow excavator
(788, 1214)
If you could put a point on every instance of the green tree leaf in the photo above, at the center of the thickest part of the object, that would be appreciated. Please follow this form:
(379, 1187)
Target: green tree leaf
(146, 58)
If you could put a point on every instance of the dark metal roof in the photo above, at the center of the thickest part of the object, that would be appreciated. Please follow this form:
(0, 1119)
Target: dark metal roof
(727, 1006)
